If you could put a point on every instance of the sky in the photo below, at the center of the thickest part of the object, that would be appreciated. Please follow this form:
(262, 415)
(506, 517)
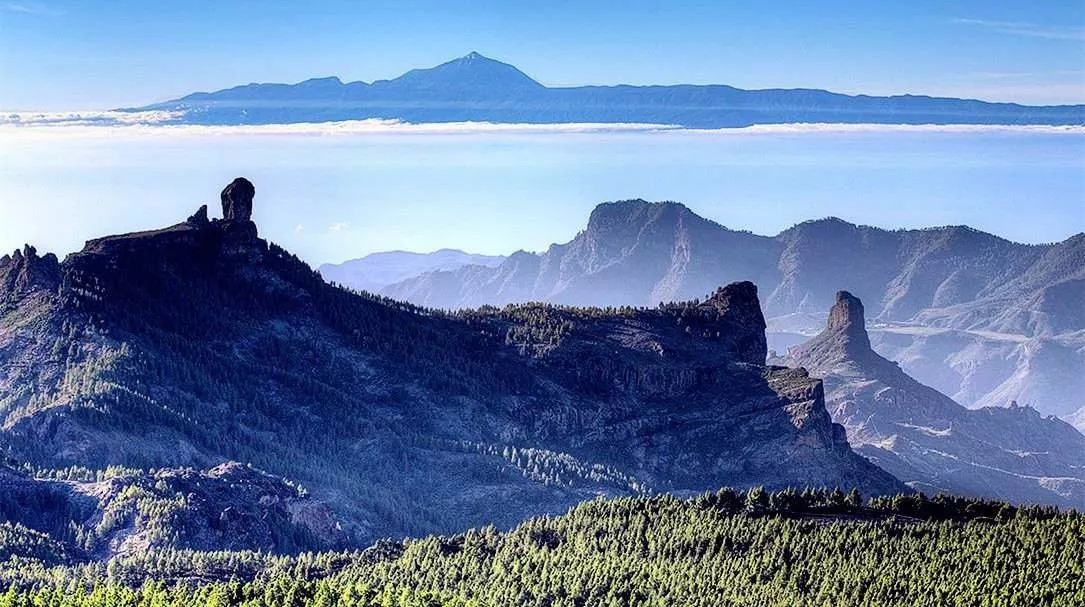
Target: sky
(330, 196)
(82, 55)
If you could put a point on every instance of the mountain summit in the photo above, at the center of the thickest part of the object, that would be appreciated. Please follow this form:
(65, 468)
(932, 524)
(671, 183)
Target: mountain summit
(472, 72)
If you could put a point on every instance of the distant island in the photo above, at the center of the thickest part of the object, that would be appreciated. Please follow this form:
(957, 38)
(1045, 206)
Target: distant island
(475, 88)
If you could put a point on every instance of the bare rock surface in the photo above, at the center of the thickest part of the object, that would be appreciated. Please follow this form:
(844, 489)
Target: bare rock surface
(929, 441)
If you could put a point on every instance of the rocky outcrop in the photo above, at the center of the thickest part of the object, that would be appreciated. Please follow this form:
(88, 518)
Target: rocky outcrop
(237, 200)
(928, 440)
(199, 218)
(848, 317)
(24, 272)
(843, 343)
(739, 320)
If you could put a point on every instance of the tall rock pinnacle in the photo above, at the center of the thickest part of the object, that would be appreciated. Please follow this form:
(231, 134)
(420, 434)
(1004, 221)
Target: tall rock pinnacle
(847, 317)
(237, 200)
(843, 344)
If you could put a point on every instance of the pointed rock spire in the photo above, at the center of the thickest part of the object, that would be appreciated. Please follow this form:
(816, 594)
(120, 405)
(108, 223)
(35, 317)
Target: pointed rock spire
(844, 342)
(847, 317)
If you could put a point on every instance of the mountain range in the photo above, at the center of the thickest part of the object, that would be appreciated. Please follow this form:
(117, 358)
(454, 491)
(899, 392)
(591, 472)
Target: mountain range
(171, 351)
(378, 270)
(982, 319)
(477, 88)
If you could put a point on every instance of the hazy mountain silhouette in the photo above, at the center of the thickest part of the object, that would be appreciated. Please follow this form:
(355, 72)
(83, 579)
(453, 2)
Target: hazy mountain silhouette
(981, 318)
(477, 88)
(378, 270)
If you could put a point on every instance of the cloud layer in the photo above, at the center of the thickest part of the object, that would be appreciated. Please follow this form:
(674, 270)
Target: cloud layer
(36, 125)
(1031, 30)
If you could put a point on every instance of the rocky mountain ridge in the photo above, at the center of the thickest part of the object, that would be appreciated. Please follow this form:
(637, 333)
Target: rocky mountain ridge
(982, 319)
(378, 270)
(201, 342)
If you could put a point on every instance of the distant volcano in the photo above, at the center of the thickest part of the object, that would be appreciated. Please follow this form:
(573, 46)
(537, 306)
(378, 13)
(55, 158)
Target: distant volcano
(480, 89)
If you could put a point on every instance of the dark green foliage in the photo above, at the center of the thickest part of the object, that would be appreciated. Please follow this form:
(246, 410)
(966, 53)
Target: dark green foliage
(18, 542)
(821, 550)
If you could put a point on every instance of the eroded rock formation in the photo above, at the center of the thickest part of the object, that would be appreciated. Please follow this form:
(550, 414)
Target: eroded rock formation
(237, 200)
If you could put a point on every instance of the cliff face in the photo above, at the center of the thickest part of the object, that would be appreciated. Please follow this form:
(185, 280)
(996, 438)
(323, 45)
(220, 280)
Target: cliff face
(201, 342)
(926, 439)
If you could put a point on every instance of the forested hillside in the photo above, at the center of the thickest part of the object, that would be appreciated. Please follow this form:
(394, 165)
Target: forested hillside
(722, 548)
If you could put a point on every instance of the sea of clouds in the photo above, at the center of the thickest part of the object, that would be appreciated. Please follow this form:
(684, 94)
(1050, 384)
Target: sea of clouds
(166, 123)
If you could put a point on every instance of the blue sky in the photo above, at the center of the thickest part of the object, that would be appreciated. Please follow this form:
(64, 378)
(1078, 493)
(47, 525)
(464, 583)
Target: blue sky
(58, 55)
(331, 197)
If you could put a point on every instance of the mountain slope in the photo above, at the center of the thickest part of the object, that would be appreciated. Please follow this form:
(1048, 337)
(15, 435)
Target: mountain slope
(128, 512)
(476, 88)
(201, 342)
(981, 318)
(929, 441)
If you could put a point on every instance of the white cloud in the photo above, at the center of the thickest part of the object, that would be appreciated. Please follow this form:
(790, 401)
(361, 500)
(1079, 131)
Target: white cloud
(338, 226)
(159, 123)
(299, 228)
(1032, 30)
(29, 8)
(79, 125)
(1075, 75)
